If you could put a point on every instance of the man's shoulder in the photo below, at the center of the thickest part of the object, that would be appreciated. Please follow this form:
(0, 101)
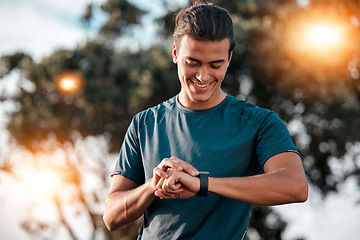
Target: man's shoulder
(155, 111)
(245, 109)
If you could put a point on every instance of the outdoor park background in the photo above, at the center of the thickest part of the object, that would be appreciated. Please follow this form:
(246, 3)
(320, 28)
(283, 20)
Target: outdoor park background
(73, 73)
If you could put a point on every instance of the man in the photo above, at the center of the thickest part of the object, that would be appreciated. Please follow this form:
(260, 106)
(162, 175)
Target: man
(246, 149)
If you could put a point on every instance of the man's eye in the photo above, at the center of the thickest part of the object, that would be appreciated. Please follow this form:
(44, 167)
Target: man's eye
(215, 66)
(192, 64)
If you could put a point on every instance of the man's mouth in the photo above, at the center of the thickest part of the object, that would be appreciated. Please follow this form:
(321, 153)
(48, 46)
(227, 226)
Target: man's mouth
(201, 85)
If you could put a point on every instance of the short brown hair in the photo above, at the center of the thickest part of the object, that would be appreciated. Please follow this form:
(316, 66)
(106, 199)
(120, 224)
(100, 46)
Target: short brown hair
(204, 22)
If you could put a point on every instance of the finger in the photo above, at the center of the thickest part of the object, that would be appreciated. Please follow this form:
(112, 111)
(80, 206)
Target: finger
(163, 195)
(169, 186)
(160, 184)
(172, 186)
(185, 166)
(190, 170)
(159, 173)
(159, 194)
(167, 189)
(178, 165)
(177, 186)
(170, 163)
(170, 191)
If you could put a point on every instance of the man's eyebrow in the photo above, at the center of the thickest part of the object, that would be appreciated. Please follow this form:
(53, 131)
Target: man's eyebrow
(193, 59)
(216, 61)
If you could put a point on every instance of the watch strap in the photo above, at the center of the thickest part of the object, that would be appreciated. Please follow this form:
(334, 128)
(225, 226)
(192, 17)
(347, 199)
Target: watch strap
(204, 183)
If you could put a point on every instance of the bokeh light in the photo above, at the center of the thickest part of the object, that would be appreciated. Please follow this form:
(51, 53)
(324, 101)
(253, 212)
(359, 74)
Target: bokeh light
(69, 82)
(43, 180)
(320, 39)
(46, 174)
(323, 36)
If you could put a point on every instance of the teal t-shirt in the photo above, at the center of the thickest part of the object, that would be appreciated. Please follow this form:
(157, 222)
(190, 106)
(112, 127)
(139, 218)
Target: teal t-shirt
(234, 138)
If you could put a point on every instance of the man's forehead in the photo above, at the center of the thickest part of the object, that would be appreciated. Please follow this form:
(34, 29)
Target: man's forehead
(197, 49)
(188, 40)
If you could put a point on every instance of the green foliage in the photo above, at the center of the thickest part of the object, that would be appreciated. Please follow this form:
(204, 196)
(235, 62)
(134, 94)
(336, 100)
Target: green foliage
(122, 14)
(322, 96)
(118, 84)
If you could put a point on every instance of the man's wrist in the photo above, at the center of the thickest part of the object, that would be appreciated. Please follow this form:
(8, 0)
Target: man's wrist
(151, 184)
(204, 183)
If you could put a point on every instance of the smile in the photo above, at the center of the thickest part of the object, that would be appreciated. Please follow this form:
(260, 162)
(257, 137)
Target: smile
(201, 85)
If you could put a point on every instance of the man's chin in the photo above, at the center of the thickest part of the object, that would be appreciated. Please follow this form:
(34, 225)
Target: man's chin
(199, 101)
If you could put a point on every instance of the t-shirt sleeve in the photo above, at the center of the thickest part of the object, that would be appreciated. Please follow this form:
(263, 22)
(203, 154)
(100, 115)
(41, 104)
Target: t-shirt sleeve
(130, 163)
(273, 138)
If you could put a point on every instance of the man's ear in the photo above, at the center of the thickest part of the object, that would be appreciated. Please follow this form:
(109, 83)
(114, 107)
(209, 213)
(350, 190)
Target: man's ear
(174, 53)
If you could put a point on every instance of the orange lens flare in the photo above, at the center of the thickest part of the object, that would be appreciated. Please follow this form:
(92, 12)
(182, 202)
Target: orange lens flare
(322, 36)
(43, 180)
(319, 40)
(69, 83)
(42, 174)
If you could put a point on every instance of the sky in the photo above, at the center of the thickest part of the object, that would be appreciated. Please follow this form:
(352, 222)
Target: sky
(38, 27)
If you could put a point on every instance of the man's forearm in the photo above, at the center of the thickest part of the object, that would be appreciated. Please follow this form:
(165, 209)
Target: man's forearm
(123, 207)
(284, 181)
(265, 189)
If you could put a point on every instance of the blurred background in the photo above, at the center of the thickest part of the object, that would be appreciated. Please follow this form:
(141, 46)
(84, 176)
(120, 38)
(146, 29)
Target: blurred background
(74, 73)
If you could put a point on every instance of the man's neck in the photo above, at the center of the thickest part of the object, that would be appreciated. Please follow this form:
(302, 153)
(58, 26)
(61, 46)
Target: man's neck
(187, 102)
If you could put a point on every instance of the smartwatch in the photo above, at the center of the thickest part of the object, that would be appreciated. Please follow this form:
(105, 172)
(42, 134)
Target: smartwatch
(204, 183)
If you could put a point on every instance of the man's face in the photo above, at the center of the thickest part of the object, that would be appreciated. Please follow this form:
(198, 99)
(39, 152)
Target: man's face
(201, 68)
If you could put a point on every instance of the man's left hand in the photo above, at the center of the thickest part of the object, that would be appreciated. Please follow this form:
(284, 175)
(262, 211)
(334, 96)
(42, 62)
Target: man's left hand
(178, 185)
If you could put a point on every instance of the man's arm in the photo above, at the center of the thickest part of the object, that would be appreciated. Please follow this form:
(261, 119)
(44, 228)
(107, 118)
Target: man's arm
(126, 201)
(283, 181)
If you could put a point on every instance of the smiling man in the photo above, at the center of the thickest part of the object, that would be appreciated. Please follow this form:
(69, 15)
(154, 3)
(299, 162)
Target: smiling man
(201, 69)
(195, 164)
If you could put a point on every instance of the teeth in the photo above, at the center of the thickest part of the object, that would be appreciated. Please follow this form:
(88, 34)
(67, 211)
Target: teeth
(201, 85)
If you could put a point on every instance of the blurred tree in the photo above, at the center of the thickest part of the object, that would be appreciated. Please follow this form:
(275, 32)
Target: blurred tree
(121, 15)
(118, 84)
(319, 93)
(318, 97)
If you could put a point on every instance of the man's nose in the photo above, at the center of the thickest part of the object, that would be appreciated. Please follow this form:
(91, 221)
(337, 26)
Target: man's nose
(203, 74)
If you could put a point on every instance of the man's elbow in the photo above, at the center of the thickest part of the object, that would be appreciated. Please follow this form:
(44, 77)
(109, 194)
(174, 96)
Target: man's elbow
(302, 192)
(109, 223)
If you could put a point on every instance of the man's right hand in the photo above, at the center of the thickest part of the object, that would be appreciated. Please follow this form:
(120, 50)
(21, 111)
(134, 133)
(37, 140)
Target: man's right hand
(179, 185)
(174, 163)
